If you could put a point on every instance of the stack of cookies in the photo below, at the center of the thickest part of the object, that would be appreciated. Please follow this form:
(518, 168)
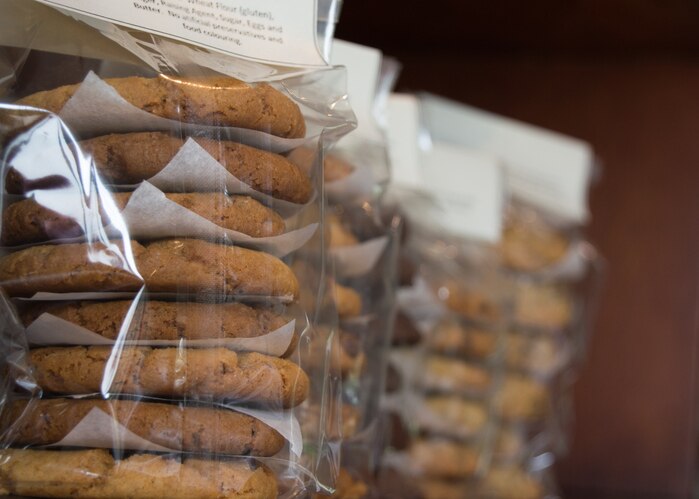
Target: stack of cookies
(155, 337)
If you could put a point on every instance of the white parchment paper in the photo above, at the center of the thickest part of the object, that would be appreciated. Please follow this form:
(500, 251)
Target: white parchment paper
(358, 259)
(99, 429)
(48, 329)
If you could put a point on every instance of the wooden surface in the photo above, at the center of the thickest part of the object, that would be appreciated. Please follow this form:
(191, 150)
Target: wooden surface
(635, 401)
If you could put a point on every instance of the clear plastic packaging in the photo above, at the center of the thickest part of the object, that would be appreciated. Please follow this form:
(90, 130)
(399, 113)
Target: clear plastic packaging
(156, 334)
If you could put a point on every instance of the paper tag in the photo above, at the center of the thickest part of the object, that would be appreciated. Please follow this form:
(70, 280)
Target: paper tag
(358, 259)
(403, 134)
(48, 329)
(544, 168)
(264, 30)
(467, 191)
(363, 66)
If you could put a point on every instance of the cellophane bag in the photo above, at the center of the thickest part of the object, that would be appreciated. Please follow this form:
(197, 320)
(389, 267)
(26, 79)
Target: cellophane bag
(363, 248)
(161, 331)
(554, 276)
(453, 306)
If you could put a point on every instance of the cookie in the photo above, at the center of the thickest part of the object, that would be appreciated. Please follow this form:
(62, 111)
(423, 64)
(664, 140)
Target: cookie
(334, 167)
(456, 416)
(131, 158)
(343, 351)
(95, 473)
(452, 338)
(438, 458)
(340, 235)
(540, 355)
(171, 372)
(542, 306)
(522, 399)
(168, 266)
(469, 303)
(27, 221)
(509, 482)
(347, 301)
(214, 101)
(334, 421)
(201, 267)
(161, 320)
(529, 245)
(69, 268)
(176, 427)
(346, 487)
(449, 375)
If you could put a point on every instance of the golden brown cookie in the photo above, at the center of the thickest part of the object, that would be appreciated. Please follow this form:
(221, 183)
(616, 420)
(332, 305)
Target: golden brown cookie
(457, 416)
(131, 158)
(189, 266)
(176, 427)
(529, 244)
(171, 372)
(439, 458)
(347, 301)
(27, 221)
(69, 268)
(522, 399)
(334, 167)
(450, 375)
(545, 306)
(340, 235)
(509, 482)
(453, 338)
(537, 354)
(216, 100)
(346, 487)
(469, 303)
(161, 320)
(95, 473)
(196, 266)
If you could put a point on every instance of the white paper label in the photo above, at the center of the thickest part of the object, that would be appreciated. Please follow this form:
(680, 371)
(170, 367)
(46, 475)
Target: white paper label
(467, 189)
(261, 30)
(363, 66)
(544, 168)
(403, 132)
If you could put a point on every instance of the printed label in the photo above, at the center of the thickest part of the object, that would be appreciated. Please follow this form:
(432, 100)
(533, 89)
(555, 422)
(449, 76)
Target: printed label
(363, 66)
(544, 168)
(468, 188)
(261, 30)
(451, 187)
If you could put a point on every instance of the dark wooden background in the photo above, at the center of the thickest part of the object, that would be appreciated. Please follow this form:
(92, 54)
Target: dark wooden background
(623, 75)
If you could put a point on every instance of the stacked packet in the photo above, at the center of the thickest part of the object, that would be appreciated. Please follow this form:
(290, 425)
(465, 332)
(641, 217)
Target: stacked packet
(147, 259)
(552, 277)
(441, 406)
(362, 249)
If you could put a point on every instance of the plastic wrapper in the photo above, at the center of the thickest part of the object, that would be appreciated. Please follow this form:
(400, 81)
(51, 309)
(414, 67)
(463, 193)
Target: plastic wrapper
(447, 361)
(156, 336)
